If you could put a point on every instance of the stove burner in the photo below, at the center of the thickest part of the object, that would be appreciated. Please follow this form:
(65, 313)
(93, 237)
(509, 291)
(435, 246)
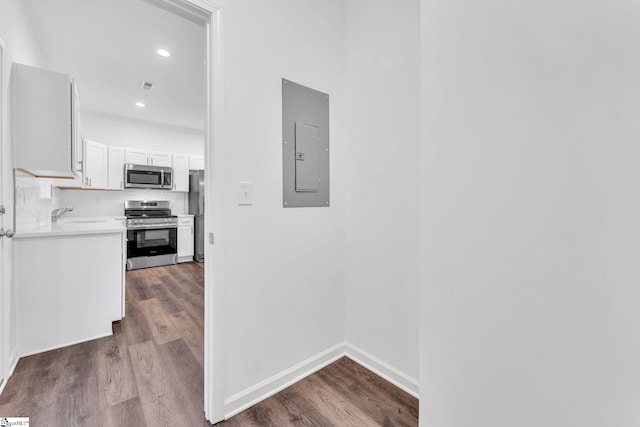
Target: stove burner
(142, 214)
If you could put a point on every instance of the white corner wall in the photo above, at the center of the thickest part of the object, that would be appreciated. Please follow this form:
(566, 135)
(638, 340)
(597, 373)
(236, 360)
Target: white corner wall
(530, 207)
(284, 284)
(383, 93)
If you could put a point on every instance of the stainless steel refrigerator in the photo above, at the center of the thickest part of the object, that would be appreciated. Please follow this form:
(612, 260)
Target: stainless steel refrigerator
(196, 208)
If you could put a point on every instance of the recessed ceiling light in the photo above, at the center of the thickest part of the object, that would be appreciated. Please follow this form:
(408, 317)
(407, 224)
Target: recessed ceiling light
(163, 52)
(140, 104)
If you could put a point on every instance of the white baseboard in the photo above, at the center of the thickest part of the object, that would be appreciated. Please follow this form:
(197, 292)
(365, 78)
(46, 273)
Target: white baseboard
(384, 370)
(264, 389)
(67, 344)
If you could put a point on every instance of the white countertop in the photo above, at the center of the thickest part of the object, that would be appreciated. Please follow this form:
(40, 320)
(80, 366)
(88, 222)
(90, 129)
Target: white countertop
(72, 227)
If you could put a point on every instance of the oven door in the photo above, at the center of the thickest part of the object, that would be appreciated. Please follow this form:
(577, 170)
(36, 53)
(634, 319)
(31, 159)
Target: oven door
(150, 242)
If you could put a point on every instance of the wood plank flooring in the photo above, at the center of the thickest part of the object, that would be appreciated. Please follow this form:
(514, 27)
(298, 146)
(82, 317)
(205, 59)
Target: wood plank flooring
(150, 373)
(341, 394)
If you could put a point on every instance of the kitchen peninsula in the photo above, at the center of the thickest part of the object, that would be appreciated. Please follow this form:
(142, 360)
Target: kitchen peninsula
(69, 282)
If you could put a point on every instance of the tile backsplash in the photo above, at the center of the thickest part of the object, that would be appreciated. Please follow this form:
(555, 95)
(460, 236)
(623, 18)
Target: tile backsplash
(36, 198)
(111, 203)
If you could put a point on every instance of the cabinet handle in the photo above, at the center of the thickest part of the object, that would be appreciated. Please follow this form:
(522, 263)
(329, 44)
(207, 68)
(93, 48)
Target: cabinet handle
(192, 229)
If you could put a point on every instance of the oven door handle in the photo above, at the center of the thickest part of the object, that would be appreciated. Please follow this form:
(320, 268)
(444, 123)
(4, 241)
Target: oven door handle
(148, 226)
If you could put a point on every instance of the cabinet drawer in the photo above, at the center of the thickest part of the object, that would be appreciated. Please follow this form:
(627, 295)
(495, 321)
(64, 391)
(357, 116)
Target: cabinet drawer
(185, 221)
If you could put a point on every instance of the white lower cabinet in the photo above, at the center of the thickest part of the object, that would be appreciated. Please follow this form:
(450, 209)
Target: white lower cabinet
(69, 289)
(185, 238)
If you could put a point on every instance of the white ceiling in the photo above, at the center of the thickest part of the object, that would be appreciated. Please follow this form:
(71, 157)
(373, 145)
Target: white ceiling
(109, 47)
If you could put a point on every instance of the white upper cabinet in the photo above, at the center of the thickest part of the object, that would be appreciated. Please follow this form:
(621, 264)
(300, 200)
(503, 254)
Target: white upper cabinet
(157, 158)
(136, 156)
(43, 122)
(103, 166)
(116, 168)
(180, 172)
(146, 157)
(196, 163)
(95, 165)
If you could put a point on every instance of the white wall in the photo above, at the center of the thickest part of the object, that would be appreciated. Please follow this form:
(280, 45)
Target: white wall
(383, 92)
(530, 207)
(285, 267)
(19, 47)
(127, 132)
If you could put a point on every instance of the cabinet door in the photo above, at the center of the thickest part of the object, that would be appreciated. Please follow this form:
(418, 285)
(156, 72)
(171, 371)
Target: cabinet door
(196, 163)
(116, 168)
(185, 241)
(158, 158)
(95, 164)
(180, 172)
(135, 156)
(42, 124)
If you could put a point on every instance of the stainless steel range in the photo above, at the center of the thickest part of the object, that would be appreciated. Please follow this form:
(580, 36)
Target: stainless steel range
(152, 233)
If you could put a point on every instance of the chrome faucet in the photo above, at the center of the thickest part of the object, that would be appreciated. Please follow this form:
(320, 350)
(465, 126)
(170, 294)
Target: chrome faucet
(57, 213)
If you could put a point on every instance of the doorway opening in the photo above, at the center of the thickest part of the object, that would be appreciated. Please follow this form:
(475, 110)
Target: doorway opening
(209, 15)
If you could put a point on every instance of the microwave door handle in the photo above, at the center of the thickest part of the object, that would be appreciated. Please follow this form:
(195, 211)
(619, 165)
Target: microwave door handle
(162, 178)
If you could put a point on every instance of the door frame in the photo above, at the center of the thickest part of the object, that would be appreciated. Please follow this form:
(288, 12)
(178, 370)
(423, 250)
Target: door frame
(8, 349)
(4, 286)
(210, 14)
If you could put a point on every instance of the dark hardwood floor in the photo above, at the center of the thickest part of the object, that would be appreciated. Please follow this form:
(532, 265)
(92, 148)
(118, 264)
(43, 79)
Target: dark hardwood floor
(341, 394)
(150, 373)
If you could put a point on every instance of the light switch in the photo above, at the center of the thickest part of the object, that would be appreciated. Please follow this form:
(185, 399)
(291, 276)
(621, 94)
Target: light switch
(245, 193)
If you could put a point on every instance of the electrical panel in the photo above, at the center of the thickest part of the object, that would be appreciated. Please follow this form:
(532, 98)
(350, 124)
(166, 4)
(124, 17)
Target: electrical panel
(305, 146)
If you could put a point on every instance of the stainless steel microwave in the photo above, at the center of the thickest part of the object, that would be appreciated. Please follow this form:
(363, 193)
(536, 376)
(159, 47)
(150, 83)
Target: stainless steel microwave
(145, 176)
